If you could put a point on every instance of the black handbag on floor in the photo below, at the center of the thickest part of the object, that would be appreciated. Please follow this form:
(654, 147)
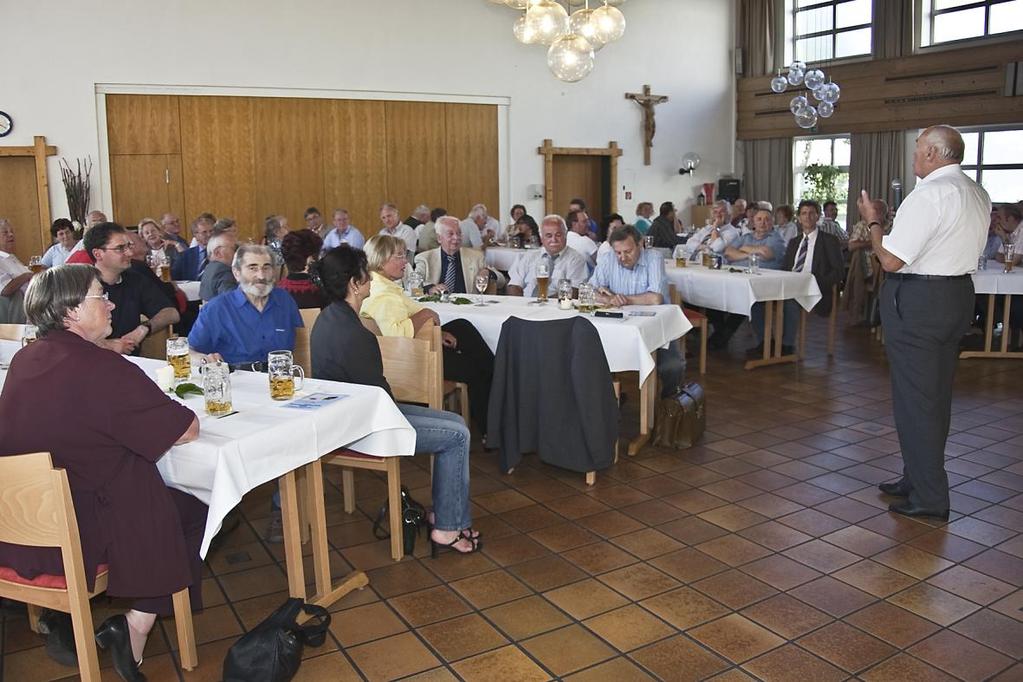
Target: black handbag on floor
(272, 651)
(413, 518)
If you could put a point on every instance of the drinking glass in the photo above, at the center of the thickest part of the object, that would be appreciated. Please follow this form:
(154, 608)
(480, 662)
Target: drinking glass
(754, 263)
(648, 241)
(982, 262)
(679, 254)
(543, 278)
(1010, 253)
(177, 357)
(587, 298)
(482, 282)
(283, 371)
(29, 335)
(216, 385)
(564, 290)
(35, 264)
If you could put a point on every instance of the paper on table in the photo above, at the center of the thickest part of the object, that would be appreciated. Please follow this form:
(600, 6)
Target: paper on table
(314, 401)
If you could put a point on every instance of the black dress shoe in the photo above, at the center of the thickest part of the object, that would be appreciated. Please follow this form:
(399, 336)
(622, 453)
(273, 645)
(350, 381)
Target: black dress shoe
(113, 635)
(895, 489)
(910, 509)
(60, 638)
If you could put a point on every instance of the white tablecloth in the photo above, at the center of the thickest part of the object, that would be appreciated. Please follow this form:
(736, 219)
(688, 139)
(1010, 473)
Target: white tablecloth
(504, 257)
(736, 292)
(994, 281)
(265, 439)
(628, 342)
(189, 288)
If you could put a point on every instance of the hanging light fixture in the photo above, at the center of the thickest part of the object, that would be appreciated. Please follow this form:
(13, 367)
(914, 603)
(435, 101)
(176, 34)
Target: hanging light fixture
(581, 23)
(570, 58)
(548, 19)
(523, 31)
(817, 85)
(610, 23)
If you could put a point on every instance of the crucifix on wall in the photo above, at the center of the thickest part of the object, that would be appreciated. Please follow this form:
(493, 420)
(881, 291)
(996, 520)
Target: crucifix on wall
(647, 102)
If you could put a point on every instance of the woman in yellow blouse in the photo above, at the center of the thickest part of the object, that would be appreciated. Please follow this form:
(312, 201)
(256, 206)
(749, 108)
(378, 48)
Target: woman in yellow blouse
(466, 356)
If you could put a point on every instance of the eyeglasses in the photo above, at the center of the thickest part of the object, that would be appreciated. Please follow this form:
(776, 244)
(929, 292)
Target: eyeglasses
(105, 296)
(120, 248)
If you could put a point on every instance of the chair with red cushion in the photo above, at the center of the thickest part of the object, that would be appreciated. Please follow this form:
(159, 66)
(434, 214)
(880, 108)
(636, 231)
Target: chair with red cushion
(698, 320)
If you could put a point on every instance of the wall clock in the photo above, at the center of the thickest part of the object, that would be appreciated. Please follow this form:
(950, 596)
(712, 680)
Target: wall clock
(6, 124)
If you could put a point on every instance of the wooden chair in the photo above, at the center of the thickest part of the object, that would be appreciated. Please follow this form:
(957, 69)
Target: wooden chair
(832, 323)
(11, 332)
(414, 371)
(301, 352)
(698, 320)
(36, 510)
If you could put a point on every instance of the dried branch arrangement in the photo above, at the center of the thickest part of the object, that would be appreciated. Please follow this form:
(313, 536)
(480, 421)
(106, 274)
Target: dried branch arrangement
(76, 187)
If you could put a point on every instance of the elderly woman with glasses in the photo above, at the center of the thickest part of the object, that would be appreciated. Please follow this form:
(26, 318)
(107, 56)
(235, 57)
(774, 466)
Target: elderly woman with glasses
(466, 355)
(114, 426)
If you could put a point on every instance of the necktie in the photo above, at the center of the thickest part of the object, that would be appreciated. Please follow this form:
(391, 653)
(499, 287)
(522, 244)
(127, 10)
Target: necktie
(449, 276)
(203, 263)
(801, 256)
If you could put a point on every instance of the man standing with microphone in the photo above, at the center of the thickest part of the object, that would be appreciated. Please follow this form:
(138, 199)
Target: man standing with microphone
(926, 306)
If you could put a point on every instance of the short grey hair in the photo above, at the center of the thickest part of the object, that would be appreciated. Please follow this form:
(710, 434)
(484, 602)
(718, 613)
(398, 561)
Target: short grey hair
(946, 141)
(218, 240)
(223, 224)
(724, 202)
(478, 211)
(390, 206)
(555, 218)
(54, 292)
(245, 250)
(420, 210)
(5, 221)
(448, 219)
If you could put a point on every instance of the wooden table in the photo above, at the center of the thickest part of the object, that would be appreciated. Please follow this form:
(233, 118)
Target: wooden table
(994, 282)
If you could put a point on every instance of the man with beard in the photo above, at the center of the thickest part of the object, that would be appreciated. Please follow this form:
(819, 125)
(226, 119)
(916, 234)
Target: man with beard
(242, 326)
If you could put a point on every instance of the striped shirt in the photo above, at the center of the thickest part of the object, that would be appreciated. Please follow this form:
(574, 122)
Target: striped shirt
(647, 275)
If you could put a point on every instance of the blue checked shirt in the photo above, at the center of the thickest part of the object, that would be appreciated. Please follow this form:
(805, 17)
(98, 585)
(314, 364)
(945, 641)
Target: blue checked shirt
(646, 275)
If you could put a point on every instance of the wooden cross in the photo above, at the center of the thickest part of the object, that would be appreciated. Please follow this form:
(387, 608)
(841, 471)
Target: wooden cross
(647, 102)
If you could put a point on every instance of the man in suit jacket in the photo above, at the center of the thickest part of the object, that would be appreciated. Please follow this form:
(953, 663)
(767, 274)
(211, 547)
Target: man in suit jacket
(192, 263)
(450, 267)
(811, 251)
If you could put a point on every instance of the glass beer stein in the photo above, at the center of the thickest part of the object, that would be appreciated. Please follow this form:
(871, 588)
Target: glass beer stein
(283, 371)
(216, 385)
(177, 357)
(543, 279)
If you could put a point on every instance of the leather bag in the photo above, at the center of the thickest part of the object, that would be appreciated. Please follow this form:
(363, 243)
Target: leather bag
(272, 651)
(413, 518)
(679, 420)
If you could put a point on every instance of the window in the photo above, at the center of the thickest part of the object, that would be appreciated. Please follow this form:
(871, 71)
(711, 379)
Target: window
(819, 30)
(994, 158)
(822, 151)
(946, 21)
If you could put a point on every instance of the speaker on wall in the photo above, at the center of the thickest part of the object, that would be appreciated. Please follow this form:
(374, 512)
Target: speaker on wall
(728, 188)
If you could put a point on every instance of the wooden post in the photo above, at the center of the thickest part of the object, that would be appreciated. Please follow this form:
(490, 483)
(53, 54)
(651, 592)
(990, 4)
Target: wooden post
(549, 151)
(38, 151)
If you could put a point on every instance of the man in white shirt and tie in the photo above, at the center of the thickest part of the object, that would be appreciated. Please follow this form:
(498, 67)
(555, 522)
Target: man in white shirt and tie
(563, 261)
(926, 306)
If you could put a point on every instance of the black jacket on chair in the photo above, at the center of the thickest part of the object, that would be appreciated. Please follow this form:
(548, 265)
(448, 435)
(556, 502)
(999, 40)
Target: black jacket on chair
(828, 266)
(552, 394)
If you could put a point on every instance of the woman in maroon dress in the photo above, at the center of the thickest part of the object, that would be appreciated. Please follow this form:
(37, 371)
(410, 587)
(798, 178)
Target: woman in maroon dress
(114, 424)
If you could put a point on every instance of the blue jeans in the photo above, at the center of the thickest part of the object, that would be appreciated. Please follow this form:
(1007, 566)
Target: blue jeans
(790, 323)
(446, 436)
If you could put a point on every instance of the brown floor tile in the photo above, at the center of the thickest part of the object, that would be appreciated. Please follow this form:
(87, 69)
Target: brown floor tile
(639, 581)
(961, 657)
(513, 549)
(822, 556)
(695, 501)
(462, 637)
(254, 582)
(813, 522)
(780, 572)
(507, 663)
(679, 658)
(526, 617)
(653, 512)
(736, 638)
(874, 578)
(788, 617)
(692, 530)
(531, 518)
(329, 666)
(646, 543)
(452, 565)
(733, 550)
(733, 517)
(366, 623)
(429, 606)
(734, 588)
(490, 589)
(894, 625)
(685, 607)
(947, 545)
(789, 662)
(629, 627)
(859, 540)
(546, 573)
(688, 564)
(393, 657)
(1011, 606)
(618, 496)
(998, 565)
(912, 561)
(774, 535)
(585, 598)
(609, 524)
(846, 647)
(770, 505)
(994, 630)
(832, 596)
(894, 526)
(619, 669)
(1012, 674)
(944, 608)
(576, 506)
(905, 668)
(502, 501)
(600, 557)
(972, 585)
(563, 537)
(399, 578)
(568, 649)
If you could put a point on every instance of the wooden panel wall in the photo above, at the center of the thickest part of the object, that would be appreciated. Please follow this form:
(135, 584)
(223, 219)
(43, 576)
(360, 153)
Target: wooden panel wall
(247, 157)
(958, 87)
(18, 204)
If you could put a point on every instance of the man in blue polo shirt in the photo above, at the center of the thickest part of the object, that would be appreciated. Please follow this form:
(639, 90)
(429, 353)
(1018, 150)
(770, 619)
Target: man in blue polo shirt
(633, 275)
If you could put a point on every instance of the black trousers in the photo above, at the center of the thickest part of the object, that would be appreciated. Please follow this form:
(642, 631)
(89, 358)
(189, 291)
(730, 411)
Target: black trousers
(923, 323)
(472, 363)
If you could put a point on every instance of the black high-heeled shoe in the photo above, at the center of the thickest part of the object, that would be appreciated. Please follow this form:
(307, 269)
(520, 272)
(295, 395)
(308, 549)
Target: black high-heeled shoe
(113, 634)
(476, 543)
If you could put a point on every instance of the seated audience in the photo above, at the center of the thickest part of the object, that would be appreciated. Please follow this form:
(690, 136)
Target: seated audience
(717, 236)
(393, 227)
(1009, 232)
(762, 240)
(314, 221)
(633, 275)
(859, 282)
(466, 356)
(527, 228)
(479, 228)
(578, 237)
(610, 224)
(784, 224)
(738, 219)
(171, 225)
(517, 211)
(192, 263)
(644, 213)
(64, 239)
(14, 277)
(420, 216)
(341, 349)
(452, 267)
(563, 261)
(343, 232)
(994, 239)
(829, 223)
(115, 424)
(160, 249)
(427, 234)
(218, 277)
(94, 217)
(300, 249)
(665, 228)
(274, 229)
(580, 205)
(225, 226)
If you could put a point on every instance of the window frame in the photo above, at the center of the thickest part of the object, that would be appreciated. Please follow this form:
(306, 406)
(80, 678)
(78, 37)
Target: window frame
(924, 14)
(792, 37)
(979, 167)
(797, 195)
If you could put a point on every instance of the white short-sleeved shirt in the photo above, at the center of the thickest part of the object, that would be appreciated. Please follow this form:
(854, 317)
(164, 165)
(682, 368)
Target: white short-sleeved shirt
(584, 245)
(404, 232)
(569, 265)
(941, 227)
(471, 235)
(11, 267)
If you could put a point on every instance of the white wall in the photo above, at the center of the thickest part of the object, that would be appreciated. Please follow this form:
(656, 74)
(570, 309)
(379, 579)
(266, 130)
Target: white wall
(56, 53)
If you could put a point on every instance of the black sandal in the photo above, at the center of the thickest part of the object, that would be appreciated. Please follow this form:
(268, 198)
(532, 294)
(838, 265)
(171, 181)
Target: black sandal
(475, 542)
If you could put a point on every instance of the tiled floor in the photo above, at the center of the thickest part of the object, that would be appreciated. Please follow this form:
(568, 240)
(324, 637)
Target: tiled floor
(765, 552)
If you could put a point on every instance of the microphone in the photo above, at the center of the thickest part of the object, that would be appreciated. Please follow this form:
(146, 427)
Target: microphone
(897, 192)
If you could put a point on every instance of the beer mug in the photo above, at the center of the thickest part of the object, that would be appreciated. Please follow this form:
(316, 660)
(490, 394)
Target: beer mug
(679, 254)
(283, 371)
(30, 334)
(587, 298)
(1010, 253)
(177, 357)
(216, 385)
(564, 290)
(35, 264)
(543, 278)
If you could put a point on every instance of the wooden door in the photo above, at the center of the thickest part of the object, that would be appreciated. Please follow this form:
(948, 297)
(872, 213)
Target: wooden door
(472, 158)
(145, 186)
(585, 177)
(19, 204)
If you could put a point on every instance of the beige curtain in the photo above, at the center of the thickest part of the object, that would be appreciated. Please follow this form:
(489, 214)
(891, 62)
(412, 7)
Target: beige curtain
(767, 170)
(756, 39)
(893, 28)
(875, 160)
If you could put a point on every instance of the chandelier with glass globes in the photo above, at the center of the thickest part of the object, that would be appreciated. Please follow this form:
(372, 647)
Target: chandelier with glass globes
(571, 39)
(817, 88)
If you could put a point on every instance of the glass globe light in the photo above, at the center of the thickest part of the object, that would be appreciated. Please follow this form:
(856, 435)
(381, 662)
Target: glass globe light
(806, 117)
(831, 92)
(570, 58)
(818, 93)
(825, 109)
(814, 78)
(779, 83)
(795, 77)
(797, 103)
(548, 19)
(516, 4)
(581, 24)
(610, 23)
(798, 65)
(523, 31)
